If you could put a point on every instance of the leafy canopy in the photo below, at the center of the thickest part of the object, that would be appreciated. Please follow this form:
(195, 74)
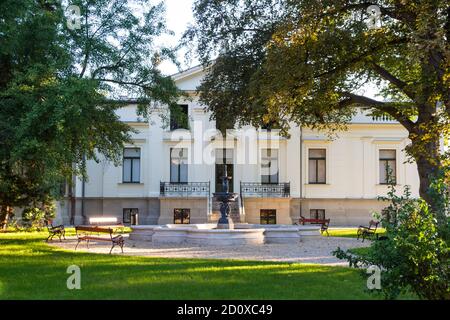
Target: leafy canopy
(58, 84)
(278, 62)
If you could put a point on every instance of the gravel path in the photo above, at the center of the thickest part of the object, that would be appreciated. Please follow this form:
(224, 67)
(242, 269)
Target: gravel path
(308, 251)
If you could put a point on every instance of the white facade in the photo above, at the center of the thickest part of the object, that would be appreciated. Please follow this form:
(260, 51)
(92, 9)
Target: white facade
(348, 194)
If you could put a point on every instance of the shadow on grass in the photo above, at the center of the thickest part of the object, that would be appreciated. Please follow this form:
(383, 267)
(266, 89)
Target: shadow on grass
(30, 269)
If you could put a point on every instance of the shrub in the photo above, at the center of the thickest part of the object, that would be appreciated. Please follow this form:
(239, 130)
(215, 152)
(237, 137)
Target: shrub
(36, 218)
(415, 253)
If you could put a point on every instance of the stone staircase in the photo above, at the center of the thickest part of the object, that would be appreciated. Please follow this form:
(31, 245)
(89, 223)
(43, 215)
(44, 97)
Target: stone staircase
(235, 213)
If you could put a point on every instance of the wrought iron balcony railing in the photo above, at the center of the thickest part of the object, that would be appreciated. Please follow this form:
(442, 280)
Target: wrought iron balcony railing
(184, 189)
(263, 190)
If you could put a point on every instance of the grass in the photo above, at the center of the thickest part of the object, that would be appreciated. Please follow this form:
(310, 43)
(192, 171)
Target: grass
(31, 269)
(348, 232)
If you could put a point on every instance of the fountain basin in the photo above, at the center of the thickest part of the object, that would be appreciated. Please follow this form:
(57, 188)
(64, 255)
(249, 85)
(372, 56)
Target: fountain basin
(207, 234)
(225, 237)
(142, 233)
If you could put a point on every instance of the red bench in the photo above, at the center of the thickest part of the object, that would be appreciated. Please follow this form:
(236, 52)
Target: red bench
(324, 223)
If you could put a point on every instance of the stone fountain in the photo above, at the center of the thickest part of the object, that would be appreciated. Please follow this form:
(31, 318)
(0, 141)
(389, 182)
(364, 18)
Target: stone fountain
(225, 232)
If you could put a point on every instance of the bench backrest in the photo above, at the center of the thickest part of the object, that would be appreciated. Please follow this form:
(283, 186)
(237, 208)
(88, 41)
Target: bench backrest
(94, 229)
(310, 219)
(373, 224)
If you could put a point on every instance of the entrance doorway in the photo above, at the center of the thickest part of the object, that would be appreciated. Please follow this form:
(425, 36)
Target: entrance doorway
(224, 156)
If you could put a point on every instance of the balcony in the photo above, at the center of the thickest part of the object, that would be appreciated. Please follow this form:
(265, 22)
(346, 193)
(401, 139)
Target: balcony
(184, 189)
(262, 190)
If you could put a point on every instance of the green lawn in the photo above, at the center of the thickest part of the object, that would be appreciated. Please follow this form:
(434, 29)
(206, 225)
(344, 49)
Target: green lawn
(30, 269)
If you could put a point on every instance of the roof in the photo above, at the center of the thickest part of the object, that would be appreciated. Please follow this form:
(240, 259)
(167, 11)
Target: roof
(188, 73)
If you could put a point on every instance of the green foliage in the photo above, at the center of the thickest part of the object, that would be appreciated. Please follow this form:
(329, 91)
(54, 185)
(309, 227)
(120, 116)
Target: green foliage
(306, 62)
(36, 218)
(58, 85)
(415, 255)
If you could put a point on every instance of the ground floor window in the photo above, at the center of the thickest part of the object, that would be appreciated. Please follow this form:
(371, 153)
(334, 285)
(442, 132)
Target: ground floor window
(268, 216)
(130, 216)
(317, 214)
(181, 216)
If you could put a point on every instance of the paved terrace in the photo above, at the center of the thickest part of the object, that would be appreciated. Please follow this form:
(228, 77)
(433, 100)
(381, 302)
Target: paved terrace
(317, 250)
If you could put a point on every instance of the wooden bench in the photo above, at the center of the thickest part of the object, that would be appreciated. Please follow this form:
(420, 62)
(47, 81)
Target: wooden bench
(324, 223)
(86, 233)
(58, 231)
(368, 232)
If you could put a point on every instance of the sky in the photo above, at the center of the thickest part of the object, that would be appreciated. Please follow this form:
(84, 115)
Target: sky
(178, 15)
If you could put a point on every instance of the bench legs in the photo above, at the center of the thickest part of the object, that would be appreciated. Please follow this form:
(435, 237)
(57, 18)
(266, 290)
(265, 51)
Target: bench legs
(78, 242)
(119, 243)
(59, 234)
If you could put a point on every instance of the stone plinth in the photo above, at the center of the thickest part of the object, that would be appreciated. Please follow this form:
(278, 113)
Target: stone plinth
(142, 233)
(281, 235)
(225, 237)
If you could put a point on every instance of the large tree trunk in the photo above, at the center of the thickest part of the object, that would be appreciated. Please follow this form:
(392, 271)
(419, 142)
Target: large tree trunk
(72, 202)
(428, 166)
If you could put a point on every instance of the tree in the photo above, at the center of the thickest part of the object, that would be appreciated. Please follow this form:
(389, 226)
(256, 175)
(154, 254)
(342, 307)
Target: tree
(58, 87)
(306, 61)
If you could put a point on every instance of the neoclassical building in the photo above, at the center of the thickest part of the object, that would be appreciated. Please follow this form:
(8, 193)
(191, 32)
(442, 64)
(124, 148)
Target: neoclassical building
(171, 170)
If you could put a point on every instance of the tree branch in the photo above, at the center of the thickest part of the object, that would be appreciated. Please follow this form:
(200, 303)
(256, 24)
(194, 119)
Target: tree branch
(138, 84)
(354, 99)
(394, 13)
(360, 57)
(392, 79)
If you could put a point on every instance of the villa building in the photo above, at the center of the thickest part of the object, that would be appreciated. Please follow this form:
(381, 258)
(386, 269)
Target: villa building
(169, 174)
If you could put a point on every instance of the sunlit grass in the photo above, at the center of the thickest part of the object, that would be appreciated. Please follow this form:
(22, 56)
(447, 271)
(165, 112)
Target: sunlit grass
(348, 232)
(31, 269)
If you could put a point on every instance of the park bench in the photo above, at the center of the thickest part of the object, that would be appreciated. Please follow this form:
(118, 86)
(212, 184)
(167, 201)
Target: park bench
(92, 233)
(368, 232)
(58, 231)
(324, 223)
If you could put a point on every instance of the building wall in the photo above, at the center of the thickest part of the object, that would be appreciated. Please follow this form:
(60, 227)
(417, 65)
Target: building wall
(197, 206)
(149, 208)
(352, 166)
(353, 162)
(344, 212)
(253, 207)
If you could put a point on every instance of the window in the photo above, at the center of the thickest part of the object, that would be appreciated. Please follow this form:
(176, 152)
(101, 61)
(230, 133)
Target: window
(181, 216)
(268, 216)
(132, 165)
(130, 216)
(179, 117)
(317, 166)
(178, 165)
(388, 164)
(317, 214)
(269, 166)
